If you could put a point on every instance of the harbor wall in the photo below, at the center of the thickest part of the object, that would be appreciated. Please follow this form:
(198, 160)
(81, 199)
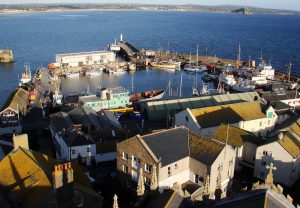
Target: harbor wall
(6, 56)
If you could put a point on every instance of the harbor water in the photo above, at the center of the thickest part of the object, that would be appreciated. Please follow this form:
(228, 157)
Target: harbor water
(36, 38)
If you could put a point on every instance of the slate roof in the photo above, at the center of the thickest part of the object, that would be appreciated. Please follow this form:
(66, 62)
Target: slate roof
(274, 97)
(63, 124)
(26, 176)
(232, 113)
(236, 136)
(170, 199)
(17, 100)
(169, 145)
(175, 144)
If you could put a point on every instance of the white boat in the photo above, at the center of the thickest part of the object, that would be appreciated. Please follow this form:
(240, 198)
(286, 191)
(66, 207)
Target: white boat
(258, 80)
(54, 78)
(92, 73)
(117, 71)
(26, 76)
(164, 65)
(227, 79)
(205, 91)
(72, 75)
(147, 95)
(57, 95)
(243, 87)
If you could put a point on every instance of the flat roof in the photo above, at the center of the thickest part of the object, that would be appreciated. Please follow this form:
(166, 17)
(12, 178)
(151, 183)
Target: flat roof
(82, 53)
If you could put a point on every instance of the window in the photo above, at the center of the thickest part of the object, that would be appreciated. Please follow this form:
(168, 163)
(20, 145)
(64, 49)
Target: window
(230, 162)
(176, 166)
(169, 171)
(136, 162)
(88, 149)
(147, 181)
(148, 168)
(125, 156)
(125, 168)
(73, 152)
(260, 123)
(269, 122)
(220, 168)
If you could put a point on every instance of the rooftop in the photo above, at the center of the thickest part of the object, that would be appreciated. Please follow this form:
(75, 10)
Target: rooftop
(26, 176)
(175, 144)
(234, 135)
(201, 102)
(81, 53)
(17, 100)
(274, 97)
(232, 113)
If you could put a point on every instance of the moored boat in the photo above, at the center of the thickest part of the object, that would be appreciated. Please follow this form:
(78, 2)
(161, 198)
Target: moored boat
(92, 73)
(26, 76)
(147, 95)
(164, 65)
(72, 74)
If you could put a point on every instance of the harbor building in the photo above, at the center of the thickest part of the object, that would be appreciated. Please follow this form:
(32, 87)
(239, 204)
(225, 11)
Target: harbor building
(107, 98)
(85, 58)
(12, 112)
(157, 110)
(250, 116)
(176, 158)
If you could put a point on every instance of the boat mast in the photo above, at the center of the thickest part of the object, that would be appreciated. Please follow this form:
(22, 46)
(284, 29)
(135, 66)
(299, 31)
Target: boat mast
(197, 61)
(289, 71)
(180, 89)
(132, 86)
(238, 62)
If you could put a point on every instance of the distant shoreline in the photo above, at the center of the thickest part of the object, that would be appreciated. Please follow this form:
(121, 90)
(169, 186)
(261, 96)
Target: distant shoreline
(7, 11)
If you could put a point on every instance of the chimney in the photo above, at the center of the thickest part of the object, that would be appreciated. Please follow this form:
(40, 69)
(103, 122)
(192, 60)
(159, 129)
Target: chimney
(57, 177)
(63, 183)
(20, 141)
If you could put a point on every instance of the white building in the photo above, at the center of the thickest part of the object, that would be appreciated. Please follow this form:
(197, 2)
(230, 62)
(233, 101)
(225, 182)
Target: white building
(180, 156)
(249, 116)
(85, 58)
(284, 152)
(238, 139)
(70, 142)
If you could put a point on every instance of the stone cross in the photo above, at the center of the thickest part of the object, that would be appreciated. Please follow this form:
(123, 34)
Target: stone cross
(269, 179)
(115, 205)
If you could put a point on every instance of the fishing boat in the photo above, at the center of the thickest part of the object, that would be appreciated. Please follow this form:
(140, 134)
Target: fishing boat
(205, 91)
(243, 85)
(54, 77)
(72, 74)
(117, 71)
(131, 67)
(291, 85)
(164, 65)
(57, 95)
(95, 72)
(147, 95)
(227, 79)
(26, 76)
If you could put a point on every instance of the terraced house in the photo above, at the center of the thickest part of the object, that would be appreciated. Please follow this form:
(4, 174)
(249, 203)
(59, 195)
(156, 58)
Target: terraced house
(180, 158)
(250, 116)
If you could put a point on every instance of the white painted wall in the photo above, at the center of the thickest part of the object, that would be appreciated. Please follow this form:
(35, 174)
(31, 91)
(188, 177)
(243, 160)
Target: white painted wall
(281, 159)
(228, 154)
(249, 152)
(186, 118)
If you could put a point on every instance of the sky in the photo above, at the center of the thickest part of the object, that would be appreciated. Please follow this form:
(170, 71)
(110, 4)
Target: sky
(273, 4)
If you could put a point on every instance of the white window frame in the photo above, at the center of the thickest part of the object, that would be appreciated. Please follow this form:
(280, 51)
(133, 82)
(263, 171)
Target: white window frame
(123, 156)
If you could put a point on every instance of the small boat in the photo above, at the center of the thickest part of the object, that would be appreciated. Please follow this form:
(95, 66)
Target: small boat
(227, 79)
(26, 76)
(205, 91)
(243, 85)
(57, 95)
(131, 67)
(147, 95)
(92, 73)
(72, 75)
(54, 77)
(117, 71)
(164, 65)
